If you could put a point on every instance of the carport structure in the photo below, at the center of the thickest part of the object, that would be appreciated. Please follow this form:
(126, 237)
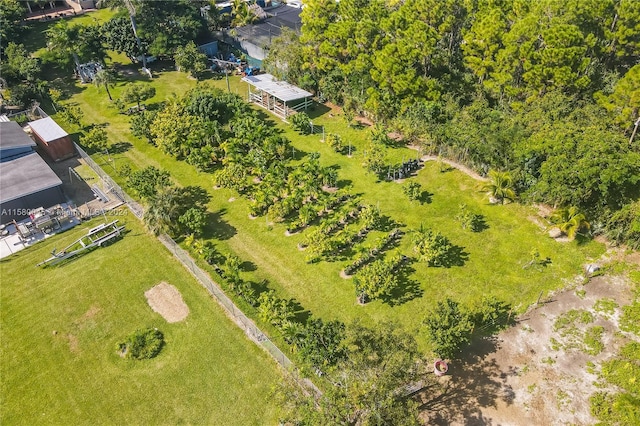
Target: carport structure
(281, 98)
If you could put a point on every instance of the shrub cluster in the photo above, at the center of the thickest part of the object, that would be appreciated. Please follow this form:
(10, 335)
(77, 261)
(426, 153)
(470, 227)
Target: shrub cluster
(142, 344)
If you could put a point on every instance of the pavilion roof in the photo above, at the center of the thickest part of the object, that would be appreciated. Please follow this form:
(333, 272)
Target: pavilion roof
(279, 89)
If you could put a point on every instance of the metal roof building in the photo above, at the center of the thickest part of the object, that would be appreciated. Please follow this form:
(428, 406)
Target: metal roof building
(47, 129)
(279, 97)
(27, 183)
(14, 142)
(52, 139)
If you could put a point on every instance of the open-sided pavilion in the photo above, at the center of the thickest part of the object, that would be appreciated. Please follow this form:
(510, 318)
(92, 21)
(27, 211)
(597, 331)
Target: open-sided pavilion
(279, 97)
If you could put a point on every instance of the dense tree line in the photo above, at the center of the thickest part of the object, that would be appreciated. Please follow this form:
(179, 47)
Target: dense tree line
(547, 90)
(162, 27)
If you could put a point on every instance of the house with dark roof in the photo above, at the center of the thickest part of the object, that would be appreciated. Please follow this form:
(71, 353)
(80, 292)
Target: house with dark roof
(14, 142)
(52, 139)
(255, 39)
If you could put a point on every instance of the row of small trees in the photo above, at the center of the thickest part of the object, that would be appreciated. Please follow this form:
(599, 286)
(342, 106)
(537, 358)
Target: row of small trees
(371, 253)
(321, 244)
(378, 279)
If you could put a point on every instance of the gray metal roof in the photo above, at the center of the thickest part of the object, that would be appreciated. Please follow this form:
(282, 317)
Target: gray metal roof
(24, 176)
(279, 89)
(47, 129)
(263, 32)
(12, 136)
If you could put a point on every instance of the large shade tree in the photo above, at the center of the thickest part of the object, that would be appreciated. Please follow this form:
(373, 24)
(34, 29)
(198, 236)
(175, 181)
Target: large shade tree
(71, 44)
(11, 13)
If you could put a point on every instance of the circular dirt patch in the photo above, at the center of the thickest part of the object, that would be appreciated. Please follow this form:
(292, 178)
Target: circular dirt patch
(166, 300)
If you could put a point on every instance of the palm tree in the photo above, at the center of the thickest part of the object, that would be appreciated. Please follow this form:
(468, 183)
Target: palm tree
(162, 212)
(104, 78)
(570, 221)
(292, 332)
(306, 214)
(500, 186)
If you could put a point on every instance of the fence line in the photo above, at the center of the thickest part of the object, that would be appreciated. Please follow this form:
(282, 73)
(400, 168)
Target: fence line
(112, 187)
(230, 308)
(33, 111)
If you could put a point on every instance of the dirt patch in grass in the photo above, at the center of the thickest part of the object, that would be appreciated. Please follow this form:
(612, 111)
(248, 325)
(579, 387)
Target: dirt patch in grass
(534, 372)
(91, 313)
(74, 343)
(166, 300)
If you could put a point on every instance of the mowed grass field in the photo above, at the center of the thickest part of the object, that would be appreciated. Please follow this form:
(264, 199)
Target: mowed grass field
(60, 327)
(494, 257)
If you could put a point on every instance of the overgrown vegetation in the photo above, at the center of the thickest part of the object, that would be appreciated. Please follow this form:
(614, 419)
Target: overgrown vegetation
(142, 344)
(621, 406)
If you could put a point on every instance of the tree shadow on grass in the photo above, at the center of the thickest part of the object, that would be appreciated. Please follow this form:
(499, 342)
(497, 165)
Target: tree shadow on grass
(348, 150)
(66, 85)
(480, 382)
(218, 228)
(344, 183)
(120, 147)
(301, 314)
(388, 224)
(456, 256)
(480, 224)
(407, 289)
(248, 266)
(425, 197)
(269, 121)
(259, 287)
(194, 196)
(317, 110)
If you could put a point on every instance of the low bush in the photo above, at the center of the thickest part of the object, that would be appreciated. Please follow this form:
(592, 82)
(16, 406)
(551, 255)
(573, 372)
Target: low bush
(301, 123)
(142, 344)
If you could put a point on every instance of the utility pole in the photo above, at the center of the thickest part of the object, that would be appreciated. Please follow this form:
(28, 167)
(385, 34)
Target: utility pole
(635, 129)
(132, 17)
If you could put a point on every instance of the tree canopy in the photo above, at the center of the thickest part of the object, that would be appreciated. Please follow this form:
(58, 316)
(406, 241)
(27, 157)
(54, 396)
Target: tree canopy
(162, 26)
(547, 91)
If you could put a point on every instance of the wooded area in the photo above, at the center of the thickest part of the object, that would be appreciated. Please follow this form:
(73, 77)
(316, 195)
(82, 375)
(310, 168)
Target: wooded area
(547, 90)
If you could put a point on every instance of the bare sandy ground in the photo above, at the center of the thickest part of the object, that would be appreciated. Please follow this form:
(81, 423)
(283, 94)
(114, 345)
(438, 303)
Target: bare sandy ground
(533, 374)
(166, 300)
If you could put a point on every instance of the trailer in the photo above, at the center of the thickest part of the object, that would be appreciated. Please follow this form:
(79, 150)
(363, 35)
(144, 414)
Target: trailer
(95, 237)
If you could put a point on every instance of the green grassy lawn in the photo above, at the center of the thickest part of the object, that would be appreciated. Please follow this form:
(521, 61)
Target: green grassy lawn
(496, 256)
(60, 326)
(35, 32)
